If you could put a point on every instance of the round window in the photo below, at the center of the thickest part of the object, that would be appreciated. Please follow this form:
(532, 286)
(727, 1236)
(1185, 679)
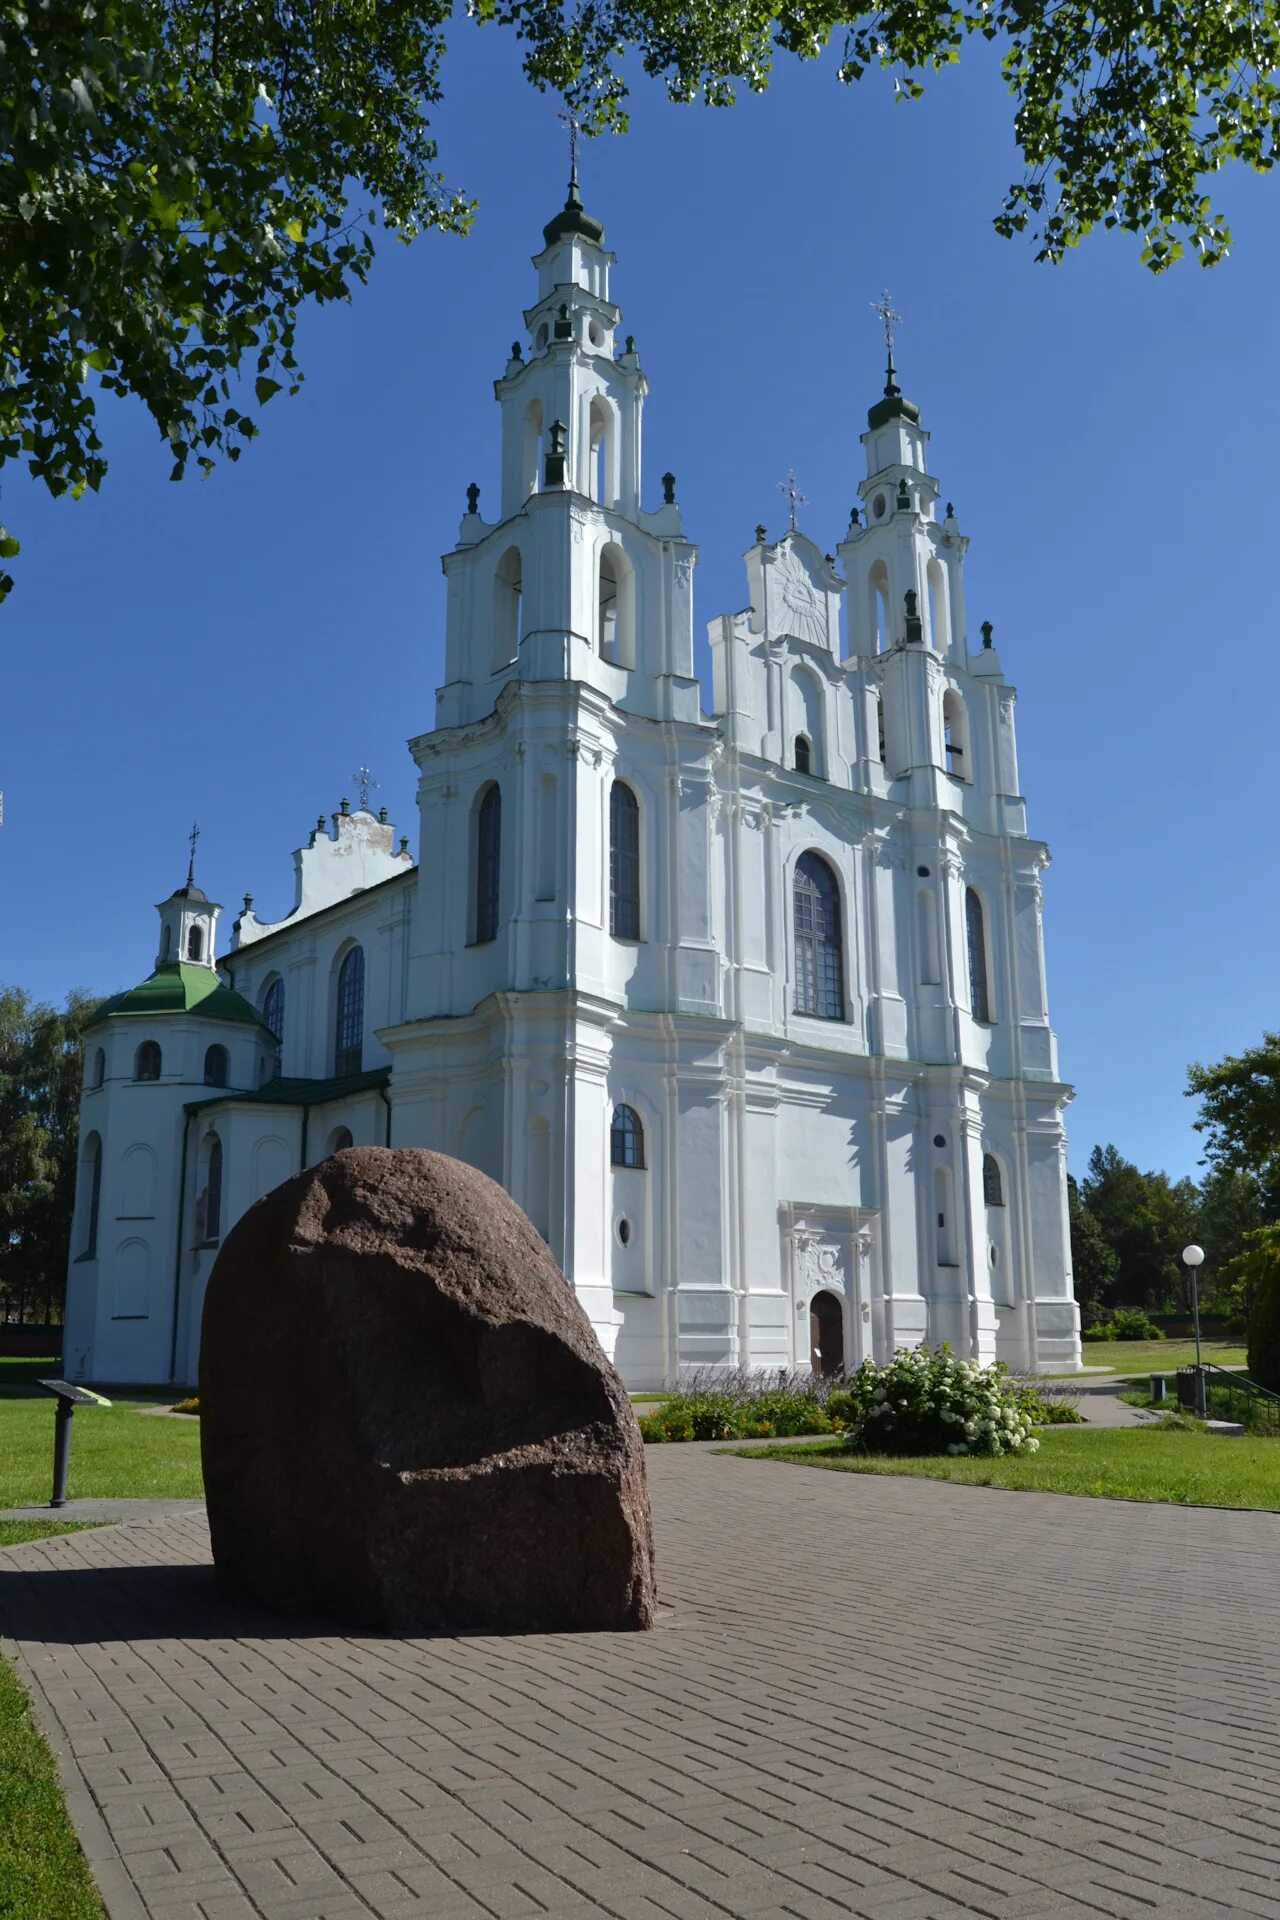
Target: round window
(939, 1139)
(922, 872)
(624, 1232)
(877, 506)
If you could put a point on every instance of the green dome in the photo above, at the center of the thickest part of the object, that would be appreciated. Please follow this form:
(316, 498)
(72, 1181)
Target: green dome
(179, 988)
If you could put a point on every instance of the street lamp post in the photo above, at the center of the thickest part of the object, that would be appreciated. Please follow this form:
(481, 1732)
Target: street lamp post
(1193, 1258)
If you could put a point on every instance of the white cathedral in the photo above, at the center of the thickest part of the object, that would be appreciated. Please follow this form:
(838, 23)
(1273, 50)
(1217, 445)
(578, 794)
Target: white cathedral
(746, 1009)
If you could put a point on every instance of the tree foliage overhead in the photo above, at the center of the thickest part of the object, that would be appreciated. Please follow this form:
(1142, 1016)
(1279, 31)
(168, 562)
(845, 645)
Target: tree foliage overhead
(1123, 109)
(176, 181)
(178, 178)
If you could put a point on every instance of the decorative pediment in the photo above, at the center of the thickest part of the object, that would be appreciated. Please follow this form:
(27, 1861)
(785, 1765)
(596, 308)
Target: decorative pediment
(795, 594)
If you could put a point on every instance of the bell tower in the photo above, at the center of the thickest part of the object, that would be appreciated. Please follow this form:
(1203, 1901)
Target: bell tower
(188, 920)
(574, 579)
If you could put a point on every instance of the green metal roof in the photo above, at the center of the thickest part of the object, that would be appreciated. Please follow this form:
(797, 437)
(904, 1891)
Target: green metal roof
(179, 988)
(299, 1093)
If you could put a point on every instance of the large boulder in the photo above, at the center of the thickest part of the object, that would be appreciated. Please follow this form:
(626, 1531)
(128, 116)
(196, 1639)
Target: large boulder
(405, 1418)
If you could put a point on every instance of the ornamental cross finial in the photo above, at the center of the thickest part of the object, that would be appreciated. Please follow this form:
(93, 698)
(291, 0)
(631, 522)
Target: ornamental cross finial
(365, 783)
(572, 121)
(888, 318)
(794, 497)
(192, 837)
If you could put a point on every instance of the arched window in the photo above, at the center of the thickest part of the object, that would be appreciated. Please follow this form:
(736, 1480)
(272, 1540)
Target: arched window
(819, 941)
(146, 1062)
(349, 1025)
(881, 750)
(488, 862)
(878, 608)
(213, 1192)
(508, 581)
(955, 735)
(624, 862)
(166, 945)
(939, 614)
(195, 943)
(99, 1068)
(341, 1140)
(992, 1184)
(807, 709)
(93, 1171)
(273, 1018)
(626, 1138)
(976, 931)
(533, 437)
(216, 1062)
(615, 605)
(600, 423)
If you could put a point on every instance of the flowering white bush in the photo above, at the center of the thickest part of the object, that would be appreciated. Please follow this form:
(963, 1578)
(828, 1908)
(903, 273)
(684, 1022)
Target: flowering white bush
(925, 1402)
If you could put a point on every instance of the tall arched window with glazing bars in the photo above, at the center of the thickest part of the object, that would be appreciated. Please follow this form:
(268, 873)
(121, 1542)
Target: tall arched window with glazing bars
(819, 939)
(624, 862)
(273, 1021)
(488, 863)
(349, 1025)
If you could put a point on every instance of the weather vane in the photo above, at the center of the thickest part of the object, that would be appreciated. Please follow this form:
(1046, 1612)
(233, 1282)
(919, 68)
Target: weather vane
(192, 837)
(571, 120)
(365, 782)
(793, 495)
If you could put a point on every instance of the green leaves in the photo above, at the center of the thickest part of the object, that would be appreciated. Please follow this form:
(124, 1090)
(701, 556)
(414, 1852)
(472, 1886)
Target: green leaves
(178, 179)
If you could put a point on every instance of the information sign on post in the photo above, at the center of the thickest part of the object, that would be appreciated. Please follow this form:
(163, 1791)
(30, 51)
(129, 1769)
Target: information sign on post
(67, 1397)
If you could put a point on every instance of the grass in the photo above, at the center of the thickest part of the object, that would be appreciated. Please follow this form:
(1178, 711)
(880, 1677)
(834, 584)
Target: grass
(1164, 1464)
(43, 1874)
(115, 1451)
(14, 1532)
(1157, 1356)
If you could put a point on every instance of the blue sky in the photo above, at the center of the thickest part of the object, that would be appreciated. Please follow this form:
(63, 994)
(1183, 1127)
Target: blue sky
(230, 650)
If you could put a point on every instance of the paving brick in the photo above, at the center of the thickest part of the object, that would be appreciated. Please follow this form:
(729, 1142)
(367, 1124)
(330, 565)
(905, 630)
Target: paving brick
(865, 1700)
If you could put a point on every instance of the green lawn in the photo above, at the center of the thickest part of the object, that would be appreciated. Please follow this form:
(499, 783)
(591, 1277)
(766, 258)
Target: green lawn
(14, 1532)
(43, 1874)
(1171, 1465)
(1157, 1356)
(115, 1451)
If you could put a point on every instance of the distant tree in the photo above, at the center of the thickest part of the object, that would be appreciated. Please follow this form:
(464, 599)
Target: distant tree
(1240, 1110)
(1146, 1219)
(179, 178)
(1260, 1278)
(40, 1078)
(1094, 1262)
(1234, 1206)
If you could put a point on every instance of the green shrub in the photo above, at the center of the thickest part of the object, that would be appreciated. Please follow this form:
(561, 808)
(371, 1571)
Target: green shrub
(1264, 1332)
(1131, 1323)
(1100, 1330)
(1058, 1413)
(189, 1405)
(926, 1402)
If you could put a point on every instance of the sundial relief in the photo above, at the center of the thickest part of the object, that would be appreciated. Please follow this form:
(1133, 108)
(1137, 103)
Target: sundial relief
(799, 606)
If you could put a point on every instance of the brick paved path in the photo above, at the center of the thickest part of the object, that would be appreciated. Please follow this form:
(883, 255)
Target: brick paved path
(873, 1697)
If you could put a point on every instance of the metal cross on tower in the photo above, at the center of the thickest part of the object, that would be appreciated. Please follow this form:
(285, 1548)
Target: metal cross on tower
(192, 837)
(793, 495)
(889, 320)
(365, 784)
(571, 120)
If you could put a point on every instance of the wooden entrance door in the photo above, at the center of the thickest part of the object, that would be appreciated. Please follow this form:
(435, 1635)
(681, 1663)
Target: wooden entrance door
(826, 1334)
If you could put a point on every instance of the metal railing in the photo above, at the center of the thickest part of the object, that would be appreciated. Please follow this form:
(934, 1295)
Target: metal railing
(1205, 1389)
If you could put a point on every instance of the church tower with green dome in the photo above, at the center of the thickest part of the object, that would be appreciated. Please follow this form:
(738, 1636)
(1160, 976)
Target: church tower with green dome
(139, 1233)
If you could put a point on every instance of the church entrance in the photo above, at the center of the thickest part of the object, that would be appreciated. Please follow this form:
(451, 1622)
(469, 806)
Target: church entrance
(826, 1334)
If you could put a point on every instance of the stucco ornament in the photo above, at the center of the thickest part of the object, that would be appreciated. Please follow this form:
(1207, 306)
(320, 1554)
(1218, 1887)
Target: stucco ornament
(806, 613)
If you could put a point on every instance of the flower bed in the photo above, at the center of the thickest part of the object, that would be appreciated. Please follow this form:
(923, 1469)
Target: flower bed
(922, 1402)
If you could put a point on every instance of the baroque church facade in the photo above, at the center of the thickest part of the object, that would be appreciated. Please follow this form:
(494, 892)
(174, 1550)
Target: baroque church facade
(746, 1009)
